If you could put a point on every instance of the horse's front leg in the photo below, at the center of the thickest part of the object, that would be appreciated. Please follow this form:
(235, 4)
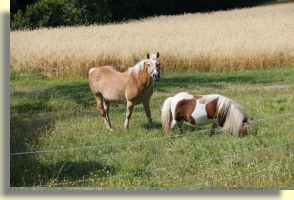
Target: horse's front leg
(130, 107)
(148, 113)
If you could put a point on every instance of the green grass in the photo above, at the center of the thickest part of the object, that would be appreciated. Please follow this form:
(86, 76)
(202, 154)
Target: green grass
(56, 114)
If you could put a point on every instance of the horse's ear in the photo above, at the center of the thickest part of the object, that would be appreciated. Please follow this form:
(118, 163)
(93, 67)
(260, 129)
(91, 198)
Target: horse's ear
(148, 55)
(157, 55)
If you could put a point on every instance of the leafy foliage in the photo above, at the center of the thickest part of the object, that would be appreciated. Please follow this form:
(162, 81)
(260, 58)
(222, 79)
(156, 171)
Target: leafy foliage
(53, 13)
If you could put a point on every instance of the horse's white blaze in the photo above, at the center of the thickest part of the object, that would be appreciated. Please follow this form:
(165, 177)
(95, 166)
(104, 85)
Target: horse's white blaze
(155, 74)
(200, 115)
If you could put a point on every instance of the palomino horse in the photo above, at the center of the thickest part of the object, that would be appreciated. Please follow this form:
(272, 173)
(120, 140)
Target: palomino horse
(200, 110)
(131, 87)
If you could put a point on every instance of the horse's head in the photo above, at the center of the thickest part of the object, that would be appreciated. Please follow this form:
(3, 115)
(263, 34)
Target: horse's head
(153, 66)
(247, 127)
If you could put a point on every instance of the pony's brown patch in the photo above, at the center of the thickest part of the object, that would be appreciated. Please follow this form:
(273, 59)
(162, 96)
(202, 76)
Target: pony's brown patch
(213, 113)
(184, 110)
(211, 109)
(197, 96)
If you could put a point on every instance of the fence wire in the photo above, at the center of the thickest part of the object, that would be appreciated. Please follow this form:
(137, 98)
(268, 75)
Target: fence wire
(242, 175)
(171, 167)
(133, 142)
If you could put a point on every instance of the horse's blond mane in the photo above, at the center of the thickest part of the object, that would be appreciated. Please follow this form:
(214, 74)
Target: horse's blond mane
(136, 69)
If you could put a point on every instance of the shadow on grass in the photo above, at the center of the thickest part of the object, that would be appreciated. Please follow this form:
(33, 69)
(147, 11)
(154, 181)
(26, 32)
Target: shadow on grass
(32, 169)
(31, 172)
(216, 80)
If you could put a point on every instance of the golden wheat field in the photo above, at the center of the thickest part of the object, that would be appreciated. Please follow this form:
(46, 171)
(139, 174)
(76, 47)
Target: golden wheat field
(240, 39)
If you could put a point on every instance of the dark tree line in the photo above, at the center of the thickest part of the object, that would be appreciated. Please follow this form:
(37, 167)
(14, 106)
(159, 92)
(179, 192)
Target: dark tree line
(52, 13)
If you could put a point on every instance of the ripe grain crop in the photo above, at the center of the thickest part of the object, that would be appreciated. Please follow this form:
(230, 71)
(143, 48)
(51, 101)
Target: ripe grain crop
(240, 39)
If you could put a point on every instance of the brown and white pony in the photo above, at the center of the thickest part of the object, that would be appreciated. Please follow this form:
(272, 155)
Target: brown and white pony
(131, 87)
(200, 110)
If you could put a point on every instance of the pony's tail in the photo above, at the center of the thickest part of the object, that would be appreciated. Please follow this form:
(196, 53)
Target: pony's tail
(166, 115)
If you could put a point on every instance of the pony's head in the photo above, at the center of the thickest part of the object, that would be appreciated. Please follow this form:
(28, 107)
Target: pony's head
(153, 66)
(247, 127)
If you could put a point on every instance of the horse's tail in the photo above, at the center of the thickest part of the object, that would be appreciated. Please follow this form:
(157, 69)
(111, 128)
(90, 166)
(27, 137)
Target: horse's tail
(166, 115)
(90, 71)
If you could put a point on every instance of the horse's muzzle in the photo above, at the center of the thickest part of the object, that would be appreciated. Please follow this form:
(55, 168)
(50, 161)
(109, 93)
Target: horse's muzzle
(155, 75)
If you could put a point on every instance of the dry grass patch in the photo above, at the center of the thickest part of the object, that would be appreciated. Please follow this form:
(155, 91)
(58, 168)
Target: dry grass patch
(240, 39)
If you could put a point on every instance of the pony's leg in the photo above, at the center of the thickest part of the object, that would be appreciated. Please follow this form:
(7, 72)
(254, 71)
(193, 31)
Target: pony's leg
(148, 113)
(214, 125)
(103, 113)
(180, 125)
(130, 106)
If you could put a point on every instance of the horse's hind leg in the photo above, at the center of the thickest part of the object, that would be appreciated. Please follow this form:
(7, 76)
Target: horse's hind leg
(106, 107)
(148, 113)
(101, 105)
(214, 125)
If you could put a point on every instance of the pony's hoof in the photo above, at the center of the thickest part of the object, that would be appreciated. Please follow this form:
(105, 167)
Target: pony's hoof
(110, 129)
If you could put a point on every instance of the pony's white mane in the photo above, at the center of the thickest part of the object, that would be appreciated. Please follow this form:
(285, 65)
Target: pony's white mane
(233, 112)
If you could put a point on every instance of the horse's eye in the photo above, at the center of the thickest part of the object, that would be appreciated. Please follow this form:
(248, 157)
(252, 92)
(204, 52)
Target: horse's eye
(148, 65)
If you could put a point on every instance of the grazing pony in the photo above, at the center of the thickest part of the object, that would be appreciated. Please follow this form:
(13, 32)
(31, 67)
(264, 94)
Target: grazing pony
(200, 110)
(131, 87)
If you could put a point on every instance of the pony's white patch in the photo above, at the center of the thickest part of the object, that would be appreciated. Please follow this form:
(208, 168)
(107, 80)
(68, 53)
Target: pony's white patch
(90, 71)
(200, 115)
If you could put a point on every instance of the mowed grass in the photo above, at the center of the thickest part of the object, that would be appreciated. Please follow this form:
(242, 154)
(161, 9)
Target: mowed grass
(240, 39)
(60, 114)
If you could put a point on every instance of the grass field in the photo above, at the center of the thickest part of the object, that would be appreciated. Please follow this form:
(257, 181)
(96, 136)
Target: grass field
(240, 39)
(58, 139)
(60, 114)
